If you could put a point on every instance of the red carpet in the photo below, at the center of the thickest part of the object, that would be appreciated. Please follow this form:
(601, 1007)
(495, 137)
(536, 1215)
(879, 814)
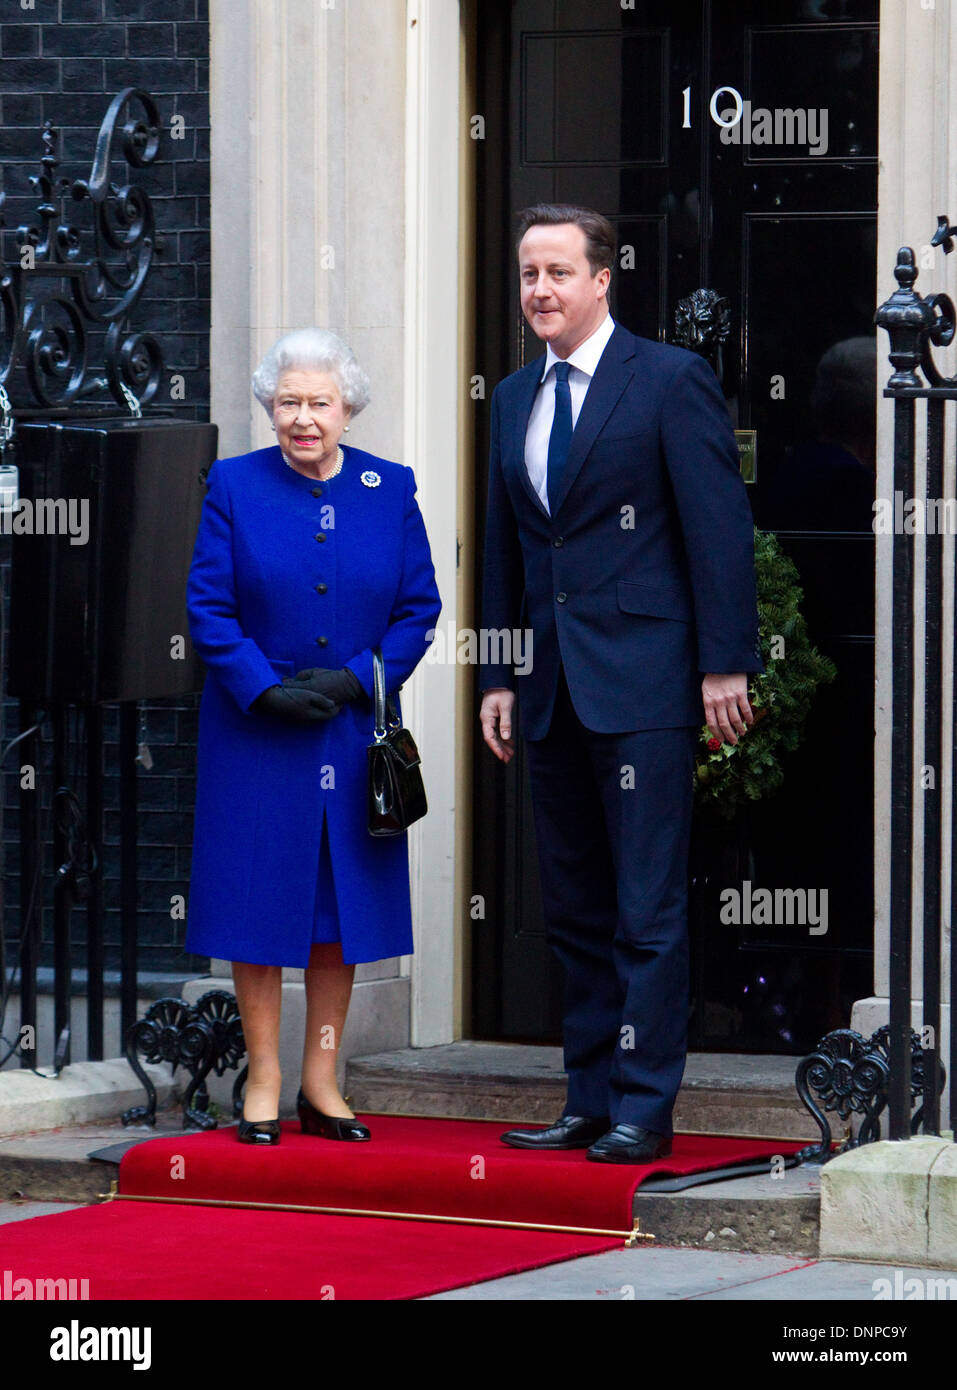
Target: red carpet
(132, 1250)
(446, 1167)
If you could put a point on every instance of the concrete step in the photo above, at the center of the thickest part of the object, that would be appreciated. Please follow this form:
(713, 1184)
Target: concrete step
(758, 1214)
(763, 1214)
(83, 1093)
(729, 1094)
(54, 1165)
(722, 1093)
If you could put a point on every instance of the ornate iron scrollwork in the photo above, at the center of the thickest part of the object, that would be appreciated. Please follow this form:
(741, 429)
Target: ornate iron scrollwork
(848, 1075)
(51, 299)
(203, 1037)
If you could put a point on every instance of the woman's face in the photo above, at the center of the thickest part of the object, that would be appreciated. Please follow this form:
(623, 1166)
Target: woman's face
(310, 415)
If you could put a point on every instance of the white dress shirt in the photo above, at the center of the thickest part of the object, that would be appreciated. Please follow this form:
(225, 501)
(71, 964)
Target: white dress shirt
(583, 362)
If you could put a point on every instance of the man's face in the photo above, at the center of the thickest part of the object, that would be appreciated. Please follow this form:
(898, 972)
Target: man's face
(561, 299)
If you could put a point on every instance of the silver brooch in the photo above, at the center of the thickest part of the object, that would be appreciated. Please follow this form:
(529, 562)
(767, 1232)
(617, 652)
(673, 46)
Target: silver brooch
(370, 478)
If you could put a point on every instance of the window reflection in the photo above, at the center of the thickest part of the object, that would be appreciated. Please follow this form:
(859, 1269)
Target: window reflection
(826, 483)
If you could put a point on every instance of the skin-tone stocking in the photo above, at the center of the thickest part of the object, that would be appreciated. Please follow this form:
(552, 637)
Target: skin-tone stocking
(328, 990)
(258, 994)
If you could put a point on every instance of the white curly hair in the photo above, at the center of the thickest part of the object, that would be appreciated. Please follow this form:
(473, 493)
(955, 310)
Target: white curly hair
(320, 350)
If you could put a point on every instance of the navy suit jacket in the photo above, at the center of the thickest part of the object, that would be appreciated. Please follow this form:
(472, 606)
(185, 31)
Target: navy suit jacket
(642, 579)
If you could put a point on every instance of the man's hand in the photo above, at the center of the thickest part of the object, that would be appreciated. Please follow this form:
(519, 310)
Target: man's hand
(495, 716)
(726, 709)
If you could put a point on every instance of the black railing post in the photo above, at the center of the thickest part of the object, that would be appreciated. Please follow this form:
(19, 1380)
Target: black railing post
(31, 910)
(952, 1072)
(908, 320)
(128, 926)
(902, 782)
(62, 898)
(952, 1051)
(94, 902)
(932, 757)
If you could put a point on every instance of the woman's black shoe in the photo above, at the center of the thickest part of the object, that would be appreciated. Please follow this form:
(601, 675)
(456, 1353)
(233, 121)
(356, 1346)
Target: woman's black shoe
(313, 1121)
(258, 1131)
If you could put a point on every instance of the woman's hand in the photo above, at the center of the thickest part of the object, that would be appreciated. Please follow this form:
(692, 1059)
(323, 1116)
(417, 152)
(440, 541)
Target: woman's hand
(295, 706)
(338, 686)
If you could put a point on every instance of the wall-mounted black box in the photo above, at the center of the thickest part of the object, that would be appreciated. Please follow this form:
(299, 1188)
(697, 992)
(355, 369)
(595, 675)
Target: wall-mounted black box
(98, 609)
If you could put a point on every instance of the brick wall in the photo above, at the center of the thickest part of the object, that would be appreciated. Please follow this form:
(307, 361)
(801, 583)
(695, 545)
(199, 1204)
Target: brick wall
(63, 61)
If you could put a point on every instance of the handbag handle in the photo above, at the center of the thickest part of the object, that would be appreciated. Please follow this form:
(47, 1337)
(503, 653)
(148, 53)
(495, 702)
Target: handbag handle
(384, 706)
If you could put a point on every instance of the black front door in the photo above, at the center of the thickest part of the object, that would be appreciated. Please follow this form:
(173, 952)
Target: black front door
(628, 109)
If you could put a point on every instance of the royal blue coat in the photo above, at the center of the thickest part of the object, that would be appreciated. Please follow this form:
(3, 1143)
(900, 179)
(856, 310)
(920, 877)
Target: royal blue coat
(290, 573)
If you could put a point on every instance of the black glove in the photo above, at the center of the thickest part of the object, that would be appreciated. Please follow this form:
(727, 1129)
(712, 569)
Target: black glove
(339, 686)
(297, 706)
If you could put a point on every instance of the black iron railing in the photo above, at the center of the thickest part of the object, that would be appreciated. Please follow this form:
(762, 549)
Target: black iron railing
(915, 326)
(53, 297)
(78, 639)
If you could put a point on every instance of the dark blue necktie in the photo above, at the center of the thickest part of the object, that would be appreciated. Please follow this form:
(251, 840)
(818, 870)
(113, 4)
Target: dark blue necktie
(561, 436)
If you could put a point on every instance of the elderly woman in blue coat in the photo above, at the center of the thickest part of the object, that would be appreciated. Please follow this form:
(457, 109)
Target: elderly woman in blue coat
(309, 554)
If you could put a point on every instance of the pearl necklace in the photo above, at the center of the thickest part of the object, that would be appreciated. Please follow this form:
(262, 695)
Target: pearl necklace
(340, 459)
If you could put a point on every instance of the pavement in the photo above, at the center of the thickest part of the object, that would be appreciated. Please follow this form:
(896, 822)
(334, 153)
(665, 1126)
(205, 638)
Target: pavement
(664, 1273)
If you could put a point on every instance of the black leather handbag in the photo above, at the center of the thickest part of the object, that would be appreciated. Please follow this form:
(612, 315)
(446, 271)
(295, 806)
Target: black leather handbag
(396, 791)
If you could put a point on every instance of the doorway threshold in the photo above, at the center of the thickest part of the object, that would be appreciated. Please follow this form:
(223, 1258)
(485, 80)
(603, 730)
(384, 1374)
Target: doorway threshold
(722, 1093)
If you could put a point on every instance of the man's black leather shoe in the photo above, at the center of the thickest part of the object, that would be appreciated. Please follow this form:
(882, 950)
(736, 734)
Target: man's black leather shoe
(630, 1144)
(570, 1132)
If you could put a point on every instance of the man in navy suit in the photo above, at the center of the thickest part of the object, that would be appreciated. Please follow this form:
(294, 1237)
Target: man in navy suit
(619, 531)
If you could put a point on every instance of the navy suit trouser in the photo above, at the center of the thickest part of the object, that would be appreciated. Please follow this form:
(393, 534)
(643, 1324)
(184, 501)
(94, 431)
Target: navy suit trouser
(613, 823)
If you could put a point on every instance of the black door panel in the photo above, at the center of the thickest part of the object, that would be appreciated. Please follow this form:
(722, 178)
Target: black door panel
(611, 108)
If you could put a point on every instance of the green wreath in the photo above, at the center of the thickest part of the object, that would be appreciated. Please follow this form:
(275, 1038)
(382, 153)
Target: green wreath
(728, 775)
